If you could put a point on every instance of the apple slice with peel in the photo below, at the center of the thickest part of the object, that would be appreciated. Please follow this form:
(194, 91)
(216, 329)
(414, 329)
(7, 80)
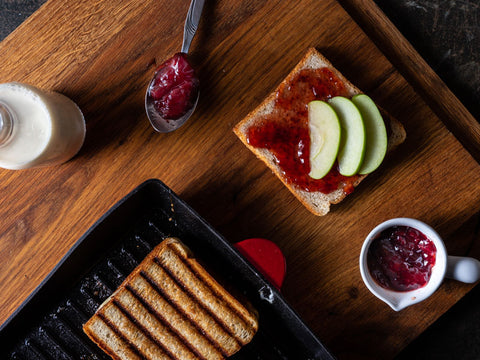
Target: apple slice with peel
(375, 131)
(325, 132)
(352, 142)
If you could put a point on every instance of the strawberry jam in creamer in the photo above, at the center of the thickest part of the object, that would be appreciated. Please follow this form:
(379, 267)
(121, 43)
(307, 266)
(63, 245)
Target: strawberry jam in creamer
(401, 258)
(285, 132)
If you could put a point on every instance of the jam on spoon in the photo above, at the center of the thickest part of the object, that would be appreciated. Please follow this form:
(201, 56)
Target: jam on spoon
(174, 88)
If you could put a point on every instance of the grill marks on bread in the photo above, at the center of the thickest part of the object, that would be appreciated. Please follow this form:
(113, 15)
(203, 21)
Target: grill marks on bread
(200, 287)
(184, 329)
(171, 308)
(108, 338)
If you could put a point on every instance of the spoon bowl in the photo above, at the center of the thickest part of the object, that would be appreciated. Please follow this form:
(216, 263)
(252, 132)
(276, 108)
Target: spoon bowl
(161, 124)
(184, 93)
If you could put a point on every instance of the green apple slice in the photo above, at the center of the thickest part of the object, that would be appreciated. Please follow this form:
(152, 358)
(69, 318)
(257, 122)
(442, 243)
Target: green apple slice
(375, 131)
(325, 132)
(352, 142)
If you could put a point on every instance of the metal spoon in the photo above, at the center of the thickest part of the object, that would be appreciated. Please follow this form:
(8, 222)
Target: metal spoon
(156, 120)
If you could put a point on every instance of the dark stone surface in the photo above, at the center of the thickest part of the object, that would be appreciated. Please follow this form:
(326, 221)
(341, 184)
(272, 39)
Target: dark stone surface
(14, 12)
(447, 34)
(456, 335)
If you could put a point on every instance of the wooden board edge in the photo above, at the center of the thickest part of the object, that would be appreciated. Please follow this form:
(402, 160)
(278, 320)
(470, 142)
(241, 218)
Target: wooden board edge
(410, 64)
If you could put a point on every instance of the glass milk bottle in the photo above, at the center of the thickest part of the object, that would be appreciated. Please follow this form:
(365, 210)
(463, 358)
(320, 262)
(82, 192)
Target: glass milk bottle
(37, 127)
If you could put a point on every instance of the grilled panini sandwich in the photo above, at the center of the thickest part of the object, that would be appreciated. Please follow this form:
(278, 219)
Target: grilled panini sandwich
(169, 307)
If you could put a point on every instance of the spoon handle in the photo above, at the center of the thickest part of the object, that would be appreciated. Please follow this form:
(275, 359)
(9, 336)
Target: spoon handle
(191, 23)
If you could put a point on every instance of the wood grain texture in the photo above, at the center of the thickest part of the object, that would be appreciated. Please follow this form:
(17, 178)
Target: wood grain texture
(102, 55)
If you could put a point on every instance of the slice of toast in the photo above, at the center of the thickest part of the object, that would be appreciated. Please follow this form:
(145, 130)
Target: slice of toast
(170, 307)
(316, 202)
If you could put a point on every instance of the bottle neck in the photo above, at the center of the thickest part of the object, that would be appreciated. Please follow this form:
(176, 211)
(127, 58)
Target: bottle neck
(6, 123)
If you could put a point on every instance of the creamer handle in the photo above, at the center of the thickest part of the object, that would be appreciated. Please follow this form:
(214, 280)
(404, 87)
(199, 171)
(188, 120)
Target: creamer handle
(464, 269)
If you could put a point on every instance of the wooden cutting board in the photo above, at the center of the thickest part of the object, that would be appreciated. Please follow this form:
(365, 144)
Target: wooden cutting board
(103, 53)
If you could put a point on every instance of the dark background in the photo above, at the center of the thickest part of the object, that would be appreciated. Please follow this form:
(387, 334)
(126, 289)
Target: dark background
(447, 34)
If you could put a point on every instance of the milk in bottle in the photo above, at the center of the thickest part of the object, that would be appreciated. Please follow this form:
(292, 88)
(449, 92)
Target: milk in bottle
(37, 127)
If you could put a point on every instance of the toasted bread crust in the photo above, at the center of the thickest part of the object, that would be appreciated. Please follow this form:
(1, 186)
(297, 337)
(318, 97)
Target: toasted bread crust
(316, 202)
(170, 307)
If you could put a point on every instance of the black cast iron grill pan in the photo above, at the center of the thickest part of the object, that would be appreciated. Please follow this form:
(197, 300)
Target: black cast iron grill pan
(48, 325)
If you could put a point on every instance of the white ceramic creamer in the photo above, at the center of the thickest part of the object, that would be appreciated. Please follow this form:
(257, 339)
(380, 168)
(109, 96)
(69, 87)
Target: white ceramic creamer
(37, 127)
